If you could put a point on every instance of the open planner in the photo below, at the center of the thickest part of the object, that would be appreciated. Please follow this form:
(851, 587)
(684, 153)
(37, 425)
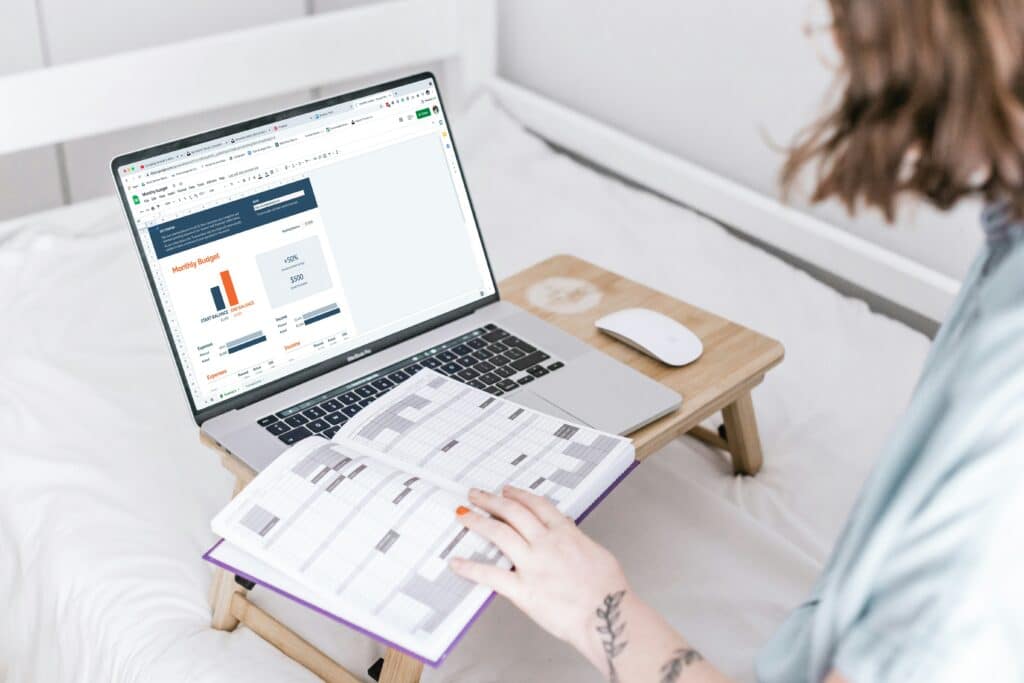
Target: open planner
(362, 527)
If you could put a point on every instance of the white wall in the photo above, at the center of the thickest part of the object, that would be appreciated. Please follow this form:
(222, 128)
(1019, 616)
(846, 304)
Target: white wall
(713, 82)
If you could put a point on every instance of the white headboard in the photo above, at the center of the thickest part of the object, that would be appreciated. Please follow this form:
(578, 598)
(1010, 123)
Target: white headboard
(77, 100)
(809, 240)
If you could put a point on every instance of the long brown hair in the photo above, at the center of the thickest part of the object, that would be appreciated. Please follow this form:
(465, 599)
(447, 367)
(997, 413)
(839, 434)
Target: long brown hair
(931, 103)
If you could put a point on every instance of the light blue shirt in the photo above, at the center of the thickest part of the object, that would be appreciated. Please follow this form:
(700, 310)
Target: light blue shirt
(926, 582)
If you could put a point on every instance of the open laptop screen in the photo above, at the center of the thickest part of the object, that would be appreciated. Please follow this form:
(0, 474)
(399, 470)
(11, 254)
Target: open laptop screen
(304, 238)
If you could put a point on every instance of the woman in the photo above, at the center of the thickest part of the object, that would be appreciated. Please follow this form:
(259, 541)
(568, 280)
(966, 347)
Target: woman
(924, 583)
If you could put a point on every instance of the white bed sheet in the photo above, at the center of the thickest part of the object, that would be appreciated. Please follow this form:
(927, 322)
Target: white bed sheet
(105, 492)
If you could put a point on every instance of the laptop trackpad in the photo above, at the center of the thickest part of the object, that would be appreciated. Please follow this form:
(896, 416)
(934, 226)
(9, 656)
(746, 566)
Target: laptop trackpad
(605, 394)
(529, 399)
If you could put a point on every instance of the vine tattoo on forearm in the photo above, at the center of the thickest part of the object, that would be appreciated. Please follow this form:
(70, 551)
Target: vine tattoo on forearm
(681, 658)
(611, 628)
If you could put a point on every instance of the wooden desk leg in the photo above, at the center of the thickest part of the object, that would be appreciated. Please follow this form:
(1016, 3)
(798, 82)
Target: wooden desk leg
(223, 588)
(222, 591)
(287, 641)
(741, 435)
(400, 668)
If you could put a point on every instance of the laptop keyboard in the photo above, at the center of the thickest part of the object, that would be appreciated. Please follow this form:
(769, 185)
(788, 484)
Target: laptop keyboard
(487, 358)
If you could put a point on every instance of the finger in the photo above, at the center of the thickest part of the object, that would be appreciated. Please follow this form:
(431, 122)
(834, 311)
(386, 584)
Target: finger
(503, 581)
(540, 506)
(514, 513)
(498, 533)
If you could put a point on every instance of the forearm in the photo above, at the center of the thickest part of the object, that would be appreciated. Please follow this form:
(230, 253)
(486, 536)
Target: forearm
(577, 591)
(630, 642)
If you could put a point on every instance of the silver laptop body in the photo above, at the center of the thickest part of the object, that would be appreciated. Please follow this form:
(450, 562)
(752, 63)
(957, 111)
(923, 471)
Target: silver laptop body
(293, 260)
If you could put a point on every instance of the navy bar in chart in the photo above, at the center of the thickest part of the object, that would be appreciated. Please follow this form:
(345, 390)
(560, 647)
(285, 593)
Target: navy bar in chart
(245, 342)
(218, 298)
(320, 314)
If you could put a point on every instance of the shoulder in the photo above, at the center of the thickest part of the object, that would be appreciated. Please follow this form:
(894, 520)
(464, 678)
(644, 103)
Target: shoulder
(974, 451)
(987, 371)
(942, 582)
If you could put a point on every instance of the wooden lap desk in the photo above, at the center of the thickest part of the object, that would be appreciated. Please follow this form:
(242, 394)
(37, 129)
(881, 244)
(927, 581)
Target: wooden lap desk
(572, 294)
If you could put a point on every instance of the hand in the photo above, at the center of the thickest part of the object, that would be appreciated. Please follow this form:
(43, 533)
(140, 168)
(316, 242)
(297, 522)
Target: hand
(561, 576)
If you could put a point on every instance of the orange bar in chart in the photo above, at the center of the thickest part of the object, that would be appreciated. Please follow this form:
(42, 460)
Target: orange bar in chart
(229, 287)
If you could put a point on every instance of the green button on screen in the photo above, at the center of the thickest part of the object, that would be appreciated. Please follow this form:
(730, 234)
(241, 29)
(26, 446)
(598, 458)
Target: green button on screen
(422, 113)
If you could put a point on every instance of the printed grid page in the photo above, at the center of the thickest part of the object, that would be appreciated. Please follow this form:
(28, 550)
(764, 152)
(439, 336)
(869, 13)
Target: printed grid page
(367, 521)
(469, 438)
(372, 542)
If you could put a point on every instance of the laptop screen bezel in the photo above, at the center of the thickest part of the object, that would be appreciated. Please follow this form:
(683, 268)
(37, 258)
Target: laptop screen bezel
(343, 358)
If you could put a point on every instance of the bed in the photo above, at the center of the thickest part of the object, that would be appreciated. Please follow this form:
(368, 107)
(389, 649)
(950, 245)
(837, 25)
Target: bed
(106, 493)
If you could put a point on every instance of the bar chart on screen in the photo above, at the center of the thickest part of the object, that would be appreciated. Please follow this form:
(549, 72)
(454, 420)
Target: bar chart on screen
(251, 339)
(221, 293)
(225, 289)
(320, 314)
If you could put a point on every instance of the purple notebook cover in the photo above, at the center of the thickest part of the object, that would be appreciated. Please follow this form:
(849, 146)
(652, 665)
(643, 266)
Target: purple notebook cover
(207, 556)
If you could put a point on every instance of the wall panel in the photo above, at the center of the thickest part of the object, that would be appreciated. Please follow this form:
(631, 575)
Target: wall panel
(29, 181)
(82, 30)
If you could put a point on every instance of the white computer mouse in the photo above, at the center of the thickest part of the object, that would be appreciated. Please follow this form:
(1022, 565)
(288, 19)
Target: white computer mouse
(653, 333)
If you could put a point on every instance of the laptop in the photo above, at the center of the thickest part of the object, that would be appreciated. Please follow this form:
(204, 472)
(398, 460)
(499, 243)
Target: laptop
(306, 262)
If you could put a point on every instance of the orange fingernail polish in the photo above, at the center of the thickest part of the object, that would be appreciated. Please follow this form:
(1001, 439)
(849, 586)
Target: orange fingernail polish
(462, 510)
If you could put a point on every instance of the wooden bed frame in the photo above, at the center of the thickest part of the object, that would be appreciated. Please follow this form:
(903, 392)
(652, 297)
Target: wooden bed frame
(67, 102)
